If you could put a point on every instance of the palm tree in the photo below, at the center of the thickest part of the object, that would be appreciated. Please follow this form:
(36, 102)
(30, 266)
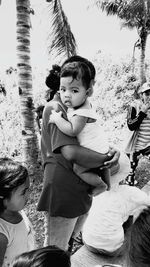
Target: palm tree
(24, 70)
(63, 41)
(134, 14)
(137, 44)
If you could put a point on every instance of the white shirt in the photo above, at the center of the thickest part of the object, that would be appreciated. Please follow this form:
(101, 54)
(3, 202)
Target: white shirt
(92, 135)
(20, 238)
(103, 227)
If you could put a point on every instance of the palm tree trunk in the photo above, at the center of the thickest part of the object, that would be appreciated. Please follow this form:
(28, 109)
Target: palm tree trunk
(142, 57)
(30, 144)
(133, 58)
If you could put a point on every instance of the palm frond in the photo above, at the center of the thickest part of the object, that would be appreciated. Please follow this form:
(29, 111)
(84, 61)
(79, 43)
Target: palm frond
(128, 24)
(134, 13)
(63, 40)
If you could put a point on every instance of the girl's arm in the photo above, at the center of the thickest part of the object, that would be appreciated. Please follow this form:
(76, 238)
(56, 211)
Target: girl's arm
(3, 247)
(71, 128)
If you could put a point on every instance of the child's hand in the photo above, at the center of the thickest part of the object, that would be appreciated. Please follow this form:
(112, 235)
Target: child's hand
(55, 116)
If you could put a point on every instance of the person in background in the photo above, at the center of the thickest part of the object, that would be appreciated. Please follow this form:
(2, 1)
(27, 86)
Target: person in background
(107, 226)
(138, 121)
(43, 257)
(16, 232)
(83, 121)
(64, 195)
(52, 82)
(139, 241)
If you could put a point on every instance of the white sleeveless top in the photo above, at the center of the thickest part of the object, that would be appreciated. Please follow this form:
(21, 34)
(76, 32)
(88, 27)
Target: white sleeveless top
(92, 136)
(20, 238)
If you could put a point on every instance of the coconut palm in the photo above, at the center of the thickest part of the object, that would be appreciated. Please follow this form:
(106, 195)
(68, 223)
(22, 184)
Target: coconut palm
(134, 14)
(63, 41)
(24, 70)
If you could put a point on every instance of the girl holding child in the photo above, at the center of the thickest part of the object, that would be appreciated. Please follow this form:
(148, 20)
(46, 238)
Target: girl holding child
(75, 89)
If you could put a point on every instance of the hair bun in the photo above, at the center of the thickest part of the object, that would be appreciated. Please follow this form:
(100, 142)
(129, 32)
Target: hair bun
(53, 79)
(56, 68)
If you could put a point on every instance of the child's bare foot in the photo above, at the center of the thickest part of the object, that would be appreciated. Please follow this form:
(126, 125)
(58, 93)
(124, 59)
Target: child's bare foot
(108, 187)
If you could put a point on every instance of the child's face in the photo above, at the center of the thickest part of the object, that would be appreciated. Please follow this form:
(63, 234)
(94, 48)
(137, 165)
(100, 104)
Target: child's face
(146, 96)
(18, 198)
(72, 92)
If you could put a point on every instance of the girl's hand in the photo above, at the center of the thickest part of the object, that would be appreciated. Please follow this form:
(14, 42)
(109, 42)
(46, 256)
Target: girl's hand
(55, 116)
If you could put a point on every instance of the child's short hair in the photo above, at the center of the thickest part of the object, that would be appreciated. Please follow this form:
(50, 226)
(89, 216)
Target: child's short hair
(139, 241)
(12, 175)
(78, 58)
(43, 257)
(77, 70)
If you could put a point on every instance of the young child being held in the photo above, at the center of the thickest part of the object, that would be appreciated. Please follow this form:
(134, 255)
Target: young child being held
(16, 234)
(75, 88)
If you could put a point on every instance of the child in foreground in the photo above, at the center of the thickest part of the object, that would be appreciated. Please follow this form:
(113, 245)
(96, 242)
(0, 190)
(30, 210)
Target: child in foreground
(43, 257)
(16, 234)
(105, 230)
(139, 241)
(75, 88)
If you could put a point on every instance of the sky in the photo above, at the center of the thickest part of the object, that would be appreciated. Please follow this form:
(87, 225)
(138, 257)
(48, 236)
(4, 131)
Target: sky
(92, 29)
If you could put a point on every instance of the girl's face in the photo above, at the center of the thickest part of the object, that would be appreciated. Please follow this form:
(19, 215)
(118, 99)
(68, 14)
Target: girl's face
(72, 92)
(18, 197)
(146, 96)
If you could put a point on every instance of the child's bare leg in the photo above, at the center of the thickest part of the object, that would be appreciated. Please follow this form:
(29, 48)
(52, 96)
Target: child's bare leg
(91, 178)
(105, 175)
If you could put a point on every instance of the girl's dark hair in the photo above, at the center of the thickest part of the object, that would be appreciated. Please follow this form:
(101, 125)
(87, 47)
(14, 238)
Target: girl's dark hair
(139, 240)
(43, 257)
(12, 175)
(77, 70)
(53, 79)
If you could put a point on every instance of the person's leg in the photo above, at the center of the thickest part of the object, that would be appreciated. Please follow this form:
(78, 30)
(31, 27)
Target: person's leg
(146, 152)
(134, 162)
(77, 232)
(105, 175)
(60, 231)
(87, 175)
(98, 185)
(79, 225)
(46, 228)
(130, 179)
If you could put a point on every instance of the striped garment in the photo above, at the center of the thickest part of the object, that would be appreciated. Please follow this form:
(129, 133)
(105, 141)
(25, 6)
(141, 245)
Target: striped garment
(143, 139)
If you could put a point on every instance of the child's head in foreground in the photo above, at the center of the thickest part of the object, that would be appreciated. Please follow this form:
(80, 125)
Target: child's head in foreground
(139, 241)
(75, 84)
(14, 185)
(43, 257)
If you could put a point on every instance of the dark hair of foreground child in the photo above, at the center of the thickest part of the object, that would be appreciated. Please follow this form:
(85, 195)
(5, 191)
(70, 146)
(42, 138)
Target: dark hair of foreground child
(43, 257)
